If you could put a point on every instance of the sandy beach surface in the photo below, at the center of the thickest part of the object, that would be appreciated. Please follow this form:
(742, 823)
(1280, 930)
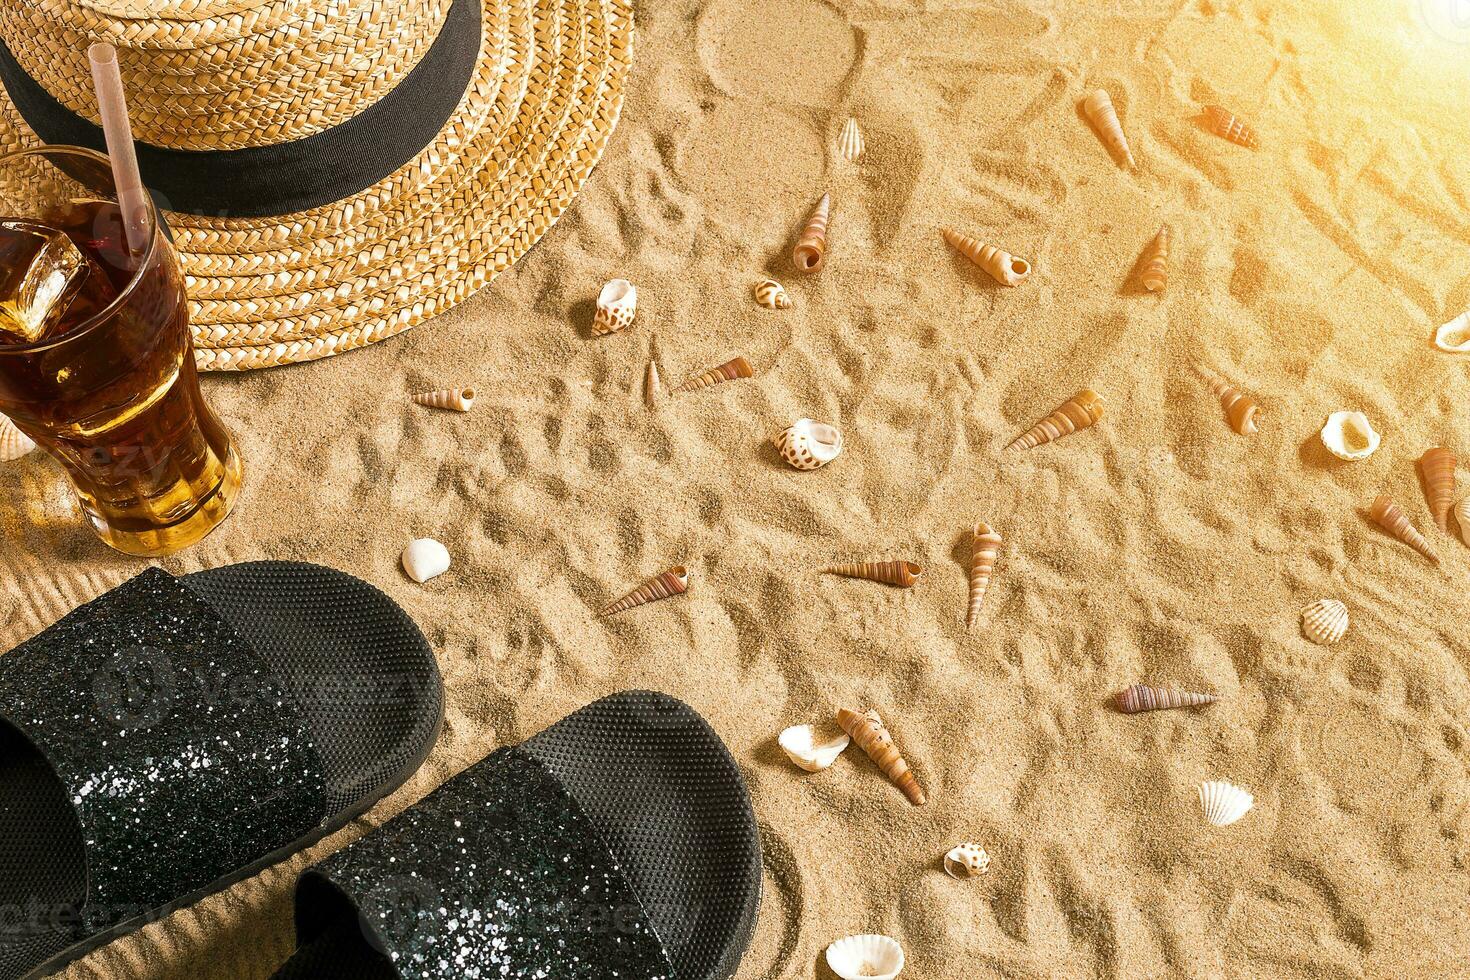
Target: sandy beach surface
(1159, 545)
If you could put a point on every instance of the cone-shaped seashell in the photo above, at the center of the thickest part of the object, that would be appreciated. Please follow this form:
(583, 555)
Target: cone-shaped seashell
(1389, 516)
(809, 445)
(1325, 622)
(1143, 697)
(850, 144)
(810, 749)
(1083, 410)
(1240, 408)
(453, 399)
(870, 734)
(1099, 109)
(865, 958)
(984, 546)
(904, 574)
(651, 384)
(811, 247)
(424, 559)
(966, 861)
(617, 304)
(1004, 267)
(1156, 262)
(1462, 515)
(1454, 337)
(771, 294)
(731, 370)
(1223, 122)
(1437, 470)
(1350, 436)
(13, 443)
(1224, 803)
(671, 583)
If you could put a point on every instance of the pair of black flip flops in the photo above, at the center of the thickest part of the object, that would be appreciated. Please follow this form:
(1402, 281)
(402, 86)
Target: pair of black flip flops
(178, 735)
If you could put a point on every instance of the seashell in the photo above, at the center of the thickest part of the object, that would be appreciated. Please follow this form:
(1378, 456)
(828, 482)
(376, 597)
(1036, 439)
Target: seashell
(1099, 109)
(771, 294)
(904, 574)
(809, 445)
(1350, 436)
(666, 585)
(729, 371)
(1142, 697)
(1156, 262)
(811, 247)
(850, 144)
(1082, 410)
(651, 384)
(425, 558)
(813, 752)
(966, 861)
(867, 957)
(1454, 337)
(617, 304)
(984, 546)
(1389, 516)
(870, 734)
(1437, 470)
(1325, 621)
(1240, 408)
(1223, 122)
(1462, 514)
(453, 399)
(13, 443)
(1004, 267)
(1224, 803)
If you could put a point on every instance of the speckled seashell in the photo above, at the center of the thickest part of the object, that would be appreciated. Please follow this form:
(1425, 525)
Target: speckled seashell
(1004, 268)
(651, 384)
(1099, 109)
(1454, 337)
(1226, 124)
(808, 445)
(666, 585)
(425, 558)
(772, 295)
(13, 443)
(1081, 411)
(904, 574)
(866, 957)
(1240, 408)
(1437, 470)
(731, 370)
(1224, 803)
(1144, 697)
(1350, 436)
(871, 735)
(617, 304)
(810, 749)
(1325, 621)
(850, 144)
(811, 247)
(1156, 262)
(966, 861)
(984, 546)
(1389, 516)
(451, 399)
(1462, 516)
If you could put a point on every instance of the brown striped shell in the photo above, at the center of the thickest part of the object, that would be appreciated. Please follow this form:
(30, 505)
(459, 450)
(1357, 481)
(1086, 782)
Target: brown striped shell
(1003, 267)
(904, 574)
(1143, 697)
(1240, 408)
(984, 547)
(731, 370)
(663, 586)
(1437, 470)
(871, 735)
(1389, 516)
(1226, 124)
(1081, 411)
(811, 247)
(1156, 262)
(1104, 118)
(451, 399)
(772, 295)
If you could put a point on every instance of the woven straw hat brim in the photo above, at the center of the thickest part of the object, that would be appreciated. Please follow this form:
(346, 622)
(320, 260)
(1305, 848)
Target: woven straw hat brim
(536, 117)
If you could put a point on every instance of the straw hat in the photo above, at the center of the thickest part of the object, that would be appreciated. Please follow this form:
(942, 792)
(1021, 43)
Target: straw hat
(335, 171)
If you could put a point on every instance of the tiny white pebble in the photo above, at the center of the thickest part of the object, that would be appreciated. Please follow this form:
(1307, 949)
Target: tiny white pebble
(425, 558)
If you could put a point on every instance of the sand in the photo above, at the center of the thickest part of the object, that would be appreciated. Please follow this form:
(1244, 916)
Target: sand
(1159, 545)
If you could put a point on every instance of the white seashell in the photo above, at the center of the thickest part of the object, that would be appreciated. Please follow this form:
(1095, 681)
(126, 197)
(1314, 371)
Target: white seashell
(1325, 621)
(1224, 803)
(772, 295)
(865, 958)
(809, 445)
(811, 750)
(966, 861)
(617, 304)
(453, 399)
(1454, 336)
(425, 558)
(1462, 514)
(1350, 436)
(13, 443)
(850, 144)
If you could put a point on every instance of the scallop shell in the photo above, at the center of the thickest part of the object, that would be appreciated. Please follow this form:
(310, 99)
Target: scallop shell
(1142, 697)
(1224, 123)
(1083, 410)
(1003, 267)
(771, 294)
(1240, 408)
(1350, 436)
(871, 735)
(1099, 109)
(651, 384)
(425, 558)
(731, 370)
(452, 399)
(1389, 516)
(850, 144)
(1156, 262)
(866, 957)
(966, 861)
(904, 574)
(1224, 803)
(1437, 470)
(1462, 514)
(808, 445)
(662, 586)
(811, 750)
(13, 443)
(617, 304)
(1454, 337)
(811, 247)
(1325, 621)
(984, 546)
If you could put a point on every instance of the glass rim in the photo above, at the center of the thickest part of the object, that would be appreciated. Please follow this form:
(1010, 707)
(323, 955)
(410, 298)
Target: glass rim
(106, 313)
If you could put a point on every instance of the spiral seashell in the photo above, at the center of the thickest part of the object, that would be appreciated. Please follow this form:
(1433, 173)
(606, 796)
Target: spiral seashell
(966, 860)
(1240, 408)
(870, 734)
(1389, 516)
(651, 384)
(1223, 122)
(731, 370)
(1325, 622)
(13, 443)
(810, 749)
(666, 585)
(1462, 515)
(867, 957)
(811, 247)
(1224, 803)
(850, 144)
(1004, 267)
(452, 399)
(1156, 262)
(771, 294)
(1099, 109)
(1143, 697)
(1437, 470)
(809, 445)
(984, 546)
(424, 559)
(1454, 337)
(904, 574)
(1082, 410)
(617, 304)
(1350, 436)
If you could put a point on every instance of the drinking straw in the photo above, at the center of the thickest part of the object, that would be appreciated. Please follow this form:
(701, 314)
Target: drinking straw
(132, 199)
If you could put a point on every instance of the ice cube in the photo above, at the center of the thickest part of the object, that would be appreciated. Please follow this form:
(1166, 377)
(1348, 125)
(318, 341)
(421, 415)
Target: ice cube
(41, 272)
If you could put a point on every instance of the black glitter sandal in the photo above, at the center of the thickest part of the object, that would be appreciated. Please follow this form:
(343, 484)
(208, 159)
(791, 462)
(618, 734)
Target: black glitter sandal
(619, 842)
(178, 735)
